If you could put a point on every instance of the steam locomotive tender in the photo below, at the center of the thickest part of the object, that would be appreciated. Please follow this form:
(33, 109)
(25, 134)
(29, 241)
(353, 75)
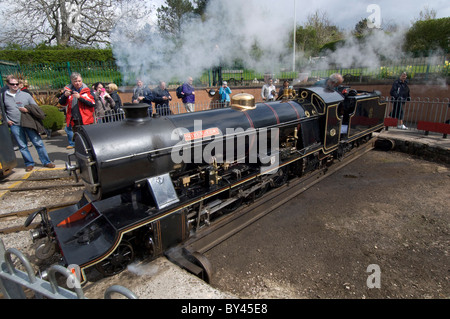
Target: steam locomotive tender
(151, 183)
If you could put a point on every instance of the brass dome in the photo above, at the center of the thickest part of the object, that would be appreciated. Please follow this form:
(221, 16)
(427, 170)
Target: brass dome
(243, 102)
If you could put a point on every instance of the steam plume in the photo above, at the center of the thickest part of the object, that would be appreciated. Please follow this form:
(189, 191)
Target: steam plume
(230, 31)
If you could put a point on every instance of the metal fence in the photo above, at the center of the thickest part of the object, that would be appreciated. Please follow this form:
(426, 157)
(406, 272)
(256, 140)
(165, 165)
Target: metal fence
(415, 110)
(18, 284)
(421, 68)
(425, 109)
(173, 108)
(53, 76)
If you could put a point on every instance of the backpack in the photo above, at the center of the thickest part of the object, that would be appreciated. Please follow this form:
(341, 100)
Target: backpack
(179, 90)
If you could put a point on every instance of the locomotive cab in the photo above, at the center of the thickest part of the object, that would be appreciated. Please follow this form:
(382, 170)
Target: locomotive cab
(325, 102)
(362, 111)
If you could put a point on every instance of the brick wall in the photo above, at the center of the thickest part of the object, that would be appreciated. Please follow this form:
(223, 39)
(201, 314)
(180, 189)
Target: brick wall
(417, 91)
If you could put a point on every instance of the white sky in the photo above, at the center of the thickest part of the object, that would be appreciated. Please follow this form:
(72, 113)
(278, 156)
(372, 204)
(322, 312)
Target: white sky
(347, 13)
(343, 13)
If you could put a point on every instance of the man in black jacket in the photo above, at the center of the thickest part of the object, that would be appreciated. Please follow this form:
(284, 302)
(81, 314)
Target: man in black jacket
(142, 94)
(400, 94)
(162, 97)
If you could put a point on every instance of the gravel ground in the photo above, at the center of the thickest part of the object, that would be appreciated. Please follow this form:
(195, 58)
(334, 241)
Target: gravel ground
(20, 201)
(386, 209)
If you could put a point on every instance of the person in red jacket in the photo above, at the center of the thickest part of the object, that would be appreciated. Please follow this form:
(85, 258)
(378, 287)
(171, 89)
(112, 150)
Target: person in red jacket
(80, 105)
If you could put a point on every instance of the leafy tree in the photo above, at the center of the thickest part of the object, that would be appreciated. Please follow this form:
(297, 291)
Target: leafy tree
(200, 6)
(306, 39)
(170, 15)
(316, 32)
(428, 35)
(361, 28)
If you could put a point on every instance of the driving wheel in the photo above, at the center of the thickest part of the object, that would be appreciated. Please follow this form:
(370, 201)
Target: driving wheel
(117, 261)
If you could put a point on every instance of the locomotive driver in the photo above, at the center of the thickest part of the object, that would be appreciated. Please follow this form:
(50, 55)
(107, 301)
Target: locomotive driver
(80, 105)
(332, 83)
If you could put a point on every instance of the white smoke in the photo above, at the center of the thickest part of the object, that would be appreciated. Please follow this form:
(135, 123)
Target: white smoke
(367, 53)
(229, 32)
(143, 269)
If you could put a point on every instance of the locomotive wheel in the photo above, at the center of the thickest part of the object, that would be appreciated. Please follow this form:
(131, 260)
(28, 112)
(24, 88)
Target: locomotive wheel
(46, 249)
(233, 206)
(296, 168)
(203, 262)
(281, 177)
(117, 261)
(260, 191)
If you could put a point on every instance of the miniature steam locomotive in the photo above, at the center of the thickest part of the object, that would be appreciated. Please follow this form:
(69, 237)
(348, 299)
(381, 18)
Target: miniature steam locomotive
(151, 183)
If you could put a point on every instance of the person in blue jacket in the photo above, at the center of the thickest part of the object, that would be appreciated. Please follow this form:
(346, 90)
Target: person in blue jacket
(225, 92)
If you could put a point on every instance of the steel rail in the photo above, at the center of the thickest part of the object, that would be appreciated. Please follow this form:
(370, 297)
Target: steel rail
(24, 189)
(26, 213)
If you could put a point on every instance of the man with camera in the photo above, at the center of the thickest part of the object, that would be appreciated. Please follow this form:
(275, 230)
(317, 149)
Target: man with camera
(80, 105)
(268, 91)
(225, 92)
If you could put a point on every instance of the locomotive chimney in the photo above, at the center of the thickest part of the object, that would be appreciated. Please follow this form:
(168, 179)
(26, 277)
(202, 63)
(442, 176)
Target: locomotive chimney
(136, 112)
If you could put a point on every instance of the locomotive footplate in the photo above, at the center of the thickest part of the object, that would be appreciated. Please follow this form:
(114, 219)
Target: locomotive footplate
(95, 233)
(89, 232)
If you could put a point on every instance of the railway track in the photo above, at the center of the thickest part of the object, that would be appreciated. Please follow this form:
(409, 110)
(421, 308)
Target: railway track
(39, 187)
(25, 189)
(26, 213)
(229, 225)
(34, 184)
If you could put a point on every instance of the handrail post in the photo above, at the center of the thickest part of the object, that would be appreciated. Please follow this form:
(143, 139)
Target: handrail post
(69, 69)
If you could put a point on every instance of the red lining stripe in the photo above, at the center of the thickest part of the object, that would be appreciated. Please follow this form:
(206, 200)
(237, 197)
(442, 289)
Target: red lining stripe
(274, 113)
(298, 115)
(249, 120)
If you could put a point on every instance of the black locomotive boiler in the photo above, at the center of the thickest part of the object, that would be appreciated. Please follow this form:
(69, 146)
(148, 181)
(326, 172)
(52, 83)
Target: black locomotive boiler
(151, 183)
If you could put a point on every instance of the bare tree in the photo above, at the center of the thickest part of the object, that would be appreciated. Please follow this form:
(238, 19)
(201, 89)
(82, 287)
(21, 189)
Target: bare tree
(325, 30)
(66, 22)
(425, 15)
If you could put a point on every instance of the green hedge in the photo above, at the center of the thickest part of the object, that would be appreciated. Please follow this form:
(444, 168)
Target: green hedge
(34, 56)
(54, 118)
(429, 35)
